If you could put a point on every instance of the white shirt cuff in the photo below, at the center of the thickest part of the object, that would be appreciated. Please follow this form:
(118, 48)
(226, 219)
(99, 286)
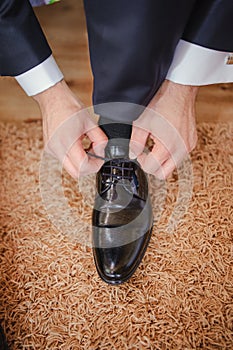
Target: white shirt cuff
(40, 77)
(196, 65)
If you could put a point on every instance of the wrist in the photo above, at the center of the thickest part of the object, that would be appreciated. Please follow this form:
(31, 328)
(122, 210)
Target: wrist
(171, 92)
(58, 99)
(60, 89)
(181, 90)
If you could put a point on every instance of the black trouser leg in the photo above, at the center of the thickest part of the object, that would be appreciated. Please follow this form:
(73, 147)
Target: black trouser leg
(131, 48)
(211, 25)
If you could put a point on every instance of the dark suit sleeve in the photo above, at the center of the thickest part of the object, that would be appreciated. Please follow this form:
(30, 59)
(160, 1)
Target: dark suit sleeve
(22, 42)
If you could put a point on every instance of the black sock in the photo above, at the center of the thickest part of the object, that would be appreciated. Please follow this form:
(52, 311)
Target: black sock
(115, 130)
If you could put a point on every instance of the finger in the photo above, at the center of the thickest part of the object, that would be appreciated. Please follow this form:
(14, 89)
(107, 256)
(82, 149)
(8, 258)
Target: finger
(99, 140)
(68, 166)
(149, 163)
(49, 151)
(90, 165)
(76, 154)
(83, 164)
(155, 159)
(166, 169)
(55, 148)
(137, 141)
(63, 160)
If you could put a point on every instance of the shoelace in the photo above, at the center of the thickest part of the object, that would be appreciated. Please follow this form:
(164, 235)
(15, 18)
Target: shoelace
(117, 169)
(95, 156)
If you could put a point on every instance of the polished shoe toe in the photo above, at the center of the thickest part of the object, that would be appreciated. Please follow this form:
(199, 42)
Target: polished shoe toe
(116, 265)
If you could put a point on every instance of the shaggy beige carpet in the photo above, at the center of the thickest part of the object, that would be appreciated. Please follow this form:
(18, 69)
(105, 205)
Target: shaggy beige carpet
(179, 298)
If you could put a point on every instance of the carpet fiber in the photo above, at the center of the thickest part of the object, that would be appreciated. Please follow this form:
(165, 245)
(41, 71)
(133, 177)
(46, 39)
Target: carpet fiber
(179, 298)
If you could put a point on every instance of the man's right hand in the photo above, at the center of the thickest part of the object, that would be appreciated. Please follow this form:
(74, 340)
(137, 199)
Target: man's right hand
(65, 124)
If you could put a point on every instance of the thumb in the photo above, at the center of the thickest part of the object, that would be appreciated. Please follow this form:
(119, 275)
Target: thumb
(137, 141)
(99, 140)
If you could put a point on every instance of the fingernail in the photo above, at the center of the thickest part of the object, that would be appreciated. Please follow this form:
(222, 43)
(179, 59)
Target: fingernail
(132, 155)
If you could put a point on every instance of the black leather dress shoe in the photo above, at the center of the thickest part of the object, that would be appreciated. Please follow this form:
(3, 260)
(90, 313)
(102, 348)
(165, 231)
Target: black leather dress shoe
(3, 343)
(122, 217)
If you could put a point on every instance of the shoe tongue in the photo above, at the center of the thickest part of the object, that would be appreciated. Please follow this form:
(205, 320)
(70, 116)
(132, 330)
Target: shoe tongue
(117, 148)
